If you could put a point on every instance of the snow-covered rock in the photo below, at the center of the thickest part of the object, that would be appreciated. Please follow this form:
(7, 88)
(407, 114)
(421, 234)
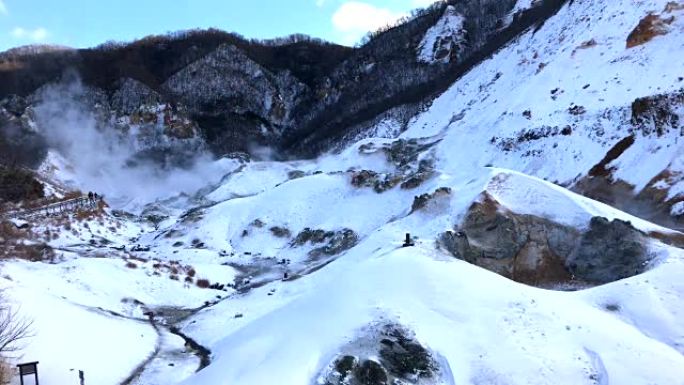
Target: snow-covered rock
(444, 41)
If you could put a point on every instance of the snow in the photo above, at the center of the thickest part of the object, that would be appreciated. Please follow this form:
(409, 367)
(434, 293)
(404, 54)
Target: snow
(527, 195)
(489, 100)
(458, 310)
(295, 328)
(69, 337)
(677, 209)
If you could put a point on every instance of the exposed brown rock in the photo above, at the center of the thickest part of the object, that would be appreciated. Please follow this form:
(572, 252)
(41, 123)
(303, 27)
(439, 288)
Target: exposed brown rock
(649, 27)
(180, 129)
(620, 147)
(540, 252)
(657, 193)
(422, 201)
(524, 248)
(651, 203)
(674, 238)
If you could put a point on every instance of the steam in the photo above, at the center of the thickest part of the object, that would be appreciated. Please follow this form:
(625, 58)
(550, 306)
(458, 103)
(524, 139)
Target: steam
(262, 153)
(107, 159)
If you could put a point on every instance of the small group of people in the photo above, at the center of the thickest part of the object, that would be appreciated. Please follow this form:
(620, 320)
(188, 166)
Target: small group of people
(93, 196)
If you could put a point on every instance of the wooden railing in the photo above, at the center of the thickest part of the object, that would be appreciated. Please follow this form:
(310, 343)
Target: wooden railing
(56, 208)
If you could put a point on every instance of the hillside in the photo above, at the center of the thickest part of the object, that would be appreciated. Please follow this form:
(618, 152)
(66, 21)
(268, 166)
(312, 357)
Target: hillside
(296, 94)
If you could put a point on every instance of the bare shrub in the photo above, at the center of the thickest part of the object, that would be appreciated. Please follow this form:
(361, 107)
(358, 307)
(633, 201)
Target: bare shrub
(13, 329)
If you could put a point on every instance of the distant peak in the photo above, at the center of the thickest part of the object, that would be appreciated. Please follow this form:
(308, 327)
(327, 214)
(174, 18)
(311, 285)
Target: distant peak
(33, 49)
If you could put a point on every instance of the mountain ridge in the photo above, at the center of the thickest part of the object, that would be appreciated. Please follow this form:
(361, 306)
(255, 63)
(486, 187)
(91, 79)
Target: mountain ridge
(322, 92)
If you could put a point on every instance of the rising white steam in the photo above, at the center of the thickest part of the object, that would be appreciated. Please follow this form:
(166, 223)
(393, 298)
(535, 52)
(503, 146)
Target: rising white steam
(108, 160)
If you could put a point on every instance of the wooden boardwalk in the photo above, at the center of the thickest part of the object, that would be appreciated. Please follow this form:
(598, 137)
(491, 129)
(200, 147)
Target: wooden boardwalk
(56, 208)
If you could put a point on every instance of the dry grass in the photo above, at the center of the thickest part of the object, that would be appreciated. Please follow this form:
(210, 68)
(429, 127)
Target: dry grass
(22, 244)
(10, 232)
(47, 201)
(203, 283)
(7, 372)
(32, 253)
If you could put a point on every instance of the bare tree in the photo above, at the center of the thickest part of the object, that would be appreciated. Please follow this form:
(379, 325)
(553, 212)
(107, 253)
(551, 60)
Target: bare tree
(13, 328)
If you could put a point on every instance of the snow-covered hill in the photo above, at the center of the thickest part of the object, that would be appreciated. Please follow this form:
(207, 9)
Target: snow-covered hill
(294, 272)
(557, 101)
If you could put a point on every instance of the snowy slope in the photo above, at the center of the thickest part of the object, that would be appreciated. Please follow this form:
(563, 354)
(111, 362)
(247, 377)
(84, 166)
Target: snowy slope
(488, 329)
(575, 333)
(577, 58)
(69, 337)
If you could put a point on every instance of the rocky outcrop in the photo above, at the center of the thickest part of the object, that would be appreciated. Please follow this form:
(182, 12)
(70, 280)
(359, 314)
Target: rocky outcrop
(235, 99)
(652, 117)
(445, 40)
(20, 144)
(19, 185)
(227, 82)
(521, 247)
(335, 242)
(387, 356)
(537, 251)
(608, 251)
(421, 202)
(131, 95)
(658, 113)
(412, 159)
(650, 26)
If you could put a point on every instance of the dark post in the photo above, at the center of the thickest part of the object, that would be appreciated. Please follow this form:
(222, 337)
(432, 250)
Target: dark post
(26, 369)
(408, 242)
(81, 377)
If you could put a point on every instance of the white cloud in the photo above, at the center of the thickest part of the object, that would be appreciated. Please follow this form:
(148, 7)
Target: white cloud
(36, 35)
(3, 8)
(354, 18)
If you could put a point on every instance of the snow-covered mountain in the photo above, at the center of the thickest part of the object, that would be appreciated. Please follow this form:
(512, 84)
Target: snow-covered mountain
(540, 191)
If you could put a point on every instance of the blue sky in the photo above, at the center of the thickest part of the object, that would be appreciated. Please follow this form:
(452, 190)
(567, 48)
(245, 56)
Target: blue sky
(86, 23)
